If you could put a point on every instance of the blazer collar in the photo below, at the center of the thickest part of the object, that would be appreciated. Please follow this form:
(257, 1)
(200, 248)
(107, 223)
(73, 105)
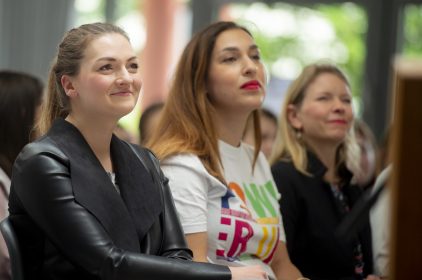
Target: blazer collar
(315, 166)
(318, 169)
(126, 217)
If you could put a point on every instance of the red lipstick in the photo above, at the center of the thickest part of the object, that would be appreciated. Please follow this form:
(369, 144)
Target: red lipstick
(251, 85)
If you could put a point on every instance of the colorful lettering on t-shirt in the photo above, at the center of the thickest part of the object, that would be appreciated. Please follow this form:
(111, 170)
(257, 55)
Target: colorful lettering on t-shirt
(262, 227)
(259, 199)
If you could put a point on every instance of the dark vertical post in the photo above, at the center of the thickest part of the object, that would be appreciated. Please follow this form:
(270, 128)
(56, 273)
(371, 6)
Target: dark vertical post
(381, 46)
(110, 11)
(203, 13)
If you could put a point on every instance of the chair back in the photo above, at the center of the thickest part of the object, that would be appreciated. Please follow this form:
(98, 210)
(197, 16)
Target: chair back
(12, 243)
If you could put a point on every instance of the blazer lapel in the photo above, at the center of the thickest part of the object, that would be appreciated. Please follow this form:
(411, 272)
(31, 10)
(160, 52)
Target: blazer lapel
(137, 188)
(93, 188)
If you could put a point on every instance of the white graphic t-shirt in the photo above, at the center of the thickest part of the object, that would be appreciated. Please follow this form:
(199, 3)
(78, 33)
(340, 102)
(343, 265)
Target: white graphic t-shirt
(242, 220)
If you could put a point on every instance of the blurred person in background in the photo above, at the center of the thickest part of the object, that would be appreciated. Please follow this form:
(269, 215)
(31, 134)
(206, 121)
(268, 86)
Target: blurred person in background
(315, 140)
(124, 134)
(20, 99)
(268, 126)
(149, 121)
(381, 212)
(365, 177)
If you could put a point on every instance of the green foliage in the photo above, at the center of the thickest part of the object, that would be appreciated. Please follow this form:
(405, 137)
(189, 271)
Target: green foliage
(346, 49)
(412, 45)
(87, 15)
(124, 7)
(350, 23)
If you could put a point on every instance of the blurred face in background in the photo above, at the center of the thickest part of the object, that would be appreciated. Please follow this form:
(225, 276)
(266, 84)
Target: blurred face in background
(150, 126)
(268, 133)
(367, 161)
(325, 114)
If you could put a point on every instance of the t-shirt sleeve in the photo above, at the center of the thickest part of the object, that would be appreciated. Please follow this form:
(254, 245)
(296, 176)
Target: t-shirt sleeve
(189, 186)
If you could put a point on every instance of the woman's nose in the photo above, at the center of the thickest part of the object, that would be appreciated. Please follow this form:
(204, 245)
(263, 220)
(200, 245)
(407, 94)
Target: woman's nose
(339, 105)
(250, 67)
(124, 77)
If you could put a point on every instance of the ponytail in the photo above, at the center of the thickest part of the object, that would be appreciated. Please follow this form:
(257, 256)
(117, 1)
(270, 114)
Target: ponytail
(56, 104)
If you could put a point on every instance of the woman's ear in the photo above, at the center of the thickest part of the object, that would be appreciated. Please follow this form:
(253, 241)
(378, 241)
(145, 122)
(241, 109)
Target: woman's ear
(68, 86)
(293, 117)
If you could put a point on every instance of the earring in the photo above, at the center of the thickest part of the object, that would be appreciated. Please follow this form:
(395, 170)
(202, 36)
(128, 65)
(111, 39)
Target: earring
(71, 93)
(299, 135)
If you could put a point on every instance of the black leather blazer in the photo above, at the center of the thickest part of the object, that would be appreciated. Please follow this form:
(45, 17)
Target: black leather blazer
(73, 224)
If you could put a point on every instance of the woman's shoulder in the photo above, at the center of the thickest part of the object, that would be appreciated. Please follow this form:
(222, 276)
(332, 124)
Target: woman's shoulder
(40, 157)
(187, 168)
(284, 170)
(183, 159)
(184, 162)
(42, 146)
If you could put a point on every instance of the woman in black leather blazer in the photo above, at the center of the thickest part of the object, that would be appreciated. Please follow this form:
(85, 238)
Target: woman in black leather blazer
(85, 204)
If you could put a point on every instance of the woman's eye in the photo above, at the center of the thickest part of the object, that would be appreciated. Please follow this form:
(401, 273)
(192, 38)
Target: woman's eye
(106, 67)
(229, 59)
(133, 67)
(256, 57)
(347, 100)
(322, 98)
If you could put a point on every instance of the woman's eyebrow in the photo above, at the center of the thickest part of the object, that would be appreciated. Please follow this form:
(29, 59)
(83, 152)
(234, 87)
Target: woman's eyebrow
(112, 59)
(231, 49)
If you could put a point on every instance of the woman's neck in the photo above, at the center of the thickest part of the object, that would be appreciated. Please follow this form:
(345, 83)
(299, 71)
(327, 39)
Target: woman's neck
(230, 127)
(98, 135)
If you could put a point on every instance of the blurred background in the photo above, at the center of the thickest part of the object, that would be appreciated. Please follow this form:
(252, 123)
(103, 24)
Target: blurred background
(363, 37)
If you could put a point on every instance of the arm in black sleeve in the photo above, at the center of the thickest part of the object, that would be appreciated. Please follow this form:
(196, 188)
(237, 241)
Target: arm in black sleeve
(42, 184)
(174, 243)
(288, 203)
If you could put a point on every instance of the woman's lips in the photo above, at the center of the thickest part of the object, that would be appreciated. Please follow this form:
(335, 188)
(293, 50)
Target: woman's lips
(338, 122)
(122, 93)
(252, 85)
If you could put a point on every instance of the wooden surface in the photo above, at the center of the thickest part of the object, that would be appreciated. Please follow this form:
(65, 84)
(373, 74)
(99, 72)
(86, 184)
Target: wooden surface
(406, 180)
